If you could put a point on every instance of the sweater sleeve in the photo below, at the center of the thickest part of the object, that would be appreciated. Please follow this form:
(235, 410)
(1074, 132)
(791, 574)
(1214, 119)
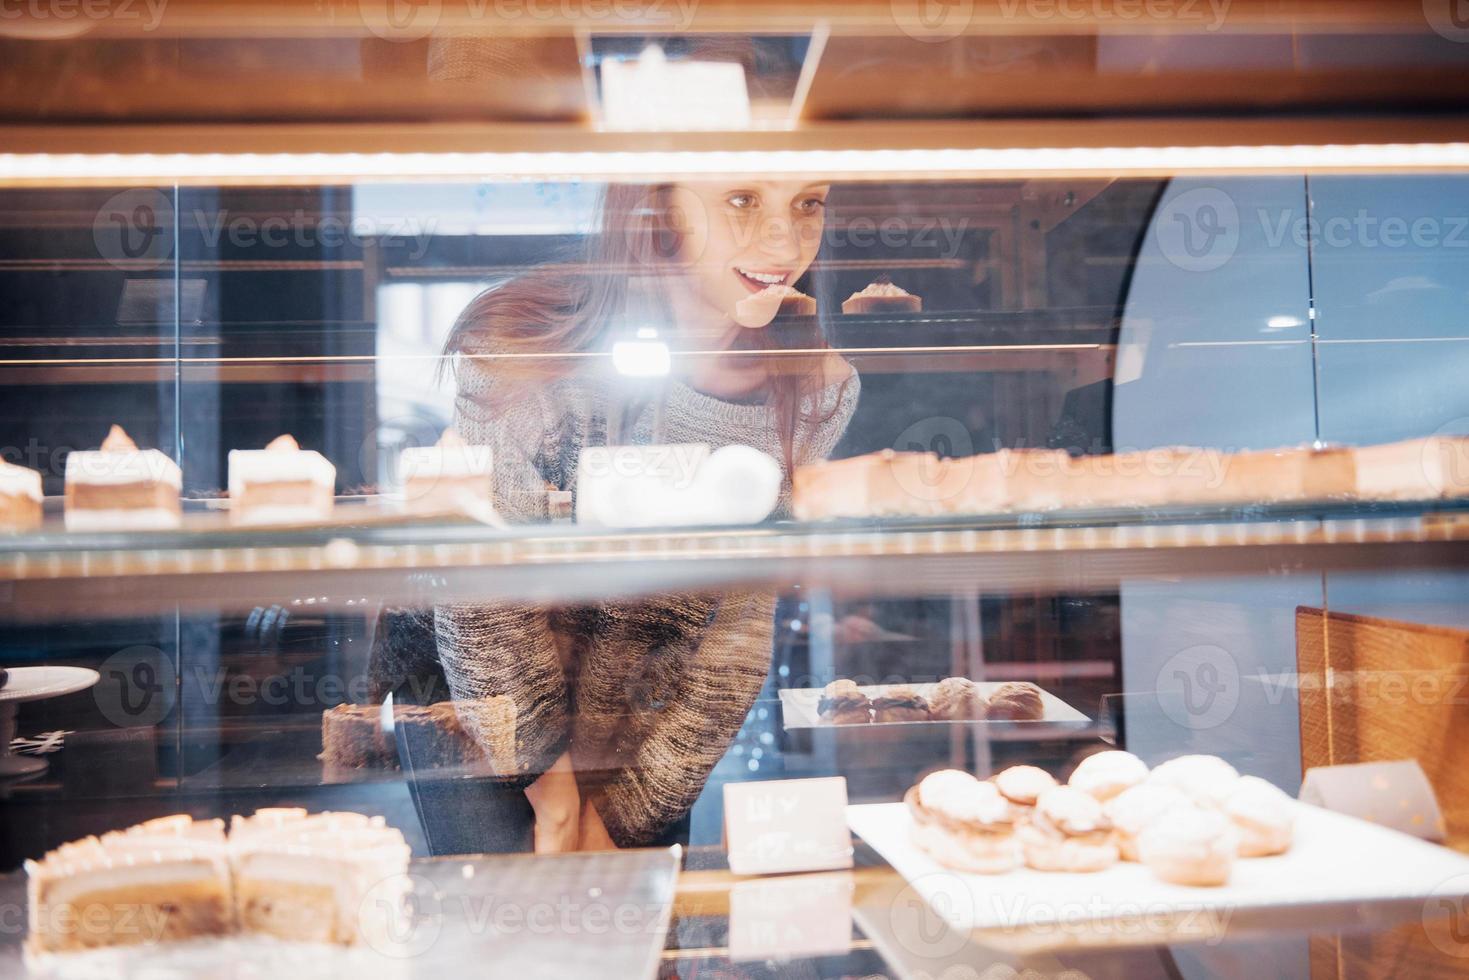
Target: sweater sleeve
(490, 649)
(666, 769)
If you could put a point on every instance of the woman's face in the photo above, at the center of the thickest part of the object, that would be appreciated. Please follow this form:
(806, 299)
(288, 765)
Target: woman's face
(737, 239)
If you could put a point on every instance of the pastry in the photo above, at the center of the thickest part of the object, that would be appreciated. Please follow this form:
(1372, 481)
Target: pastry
(446, 476)
(1033, 479)
(120, 487)
(470, 731)
(900, 704)
(1189, 845)
(20, 498)
(280, 484)
(963, 823)
(1023, 785)
(1016, 701)
(321, 877)
(353, 737)
(1205, 779)
(1067, 831)
(1263, 817)
(843, 703)
(957, 699)
(1134, 809)
(1106, 774)
(881, 484)
(1415, 469)
(162, 880)
(778, 299)
(882, 296)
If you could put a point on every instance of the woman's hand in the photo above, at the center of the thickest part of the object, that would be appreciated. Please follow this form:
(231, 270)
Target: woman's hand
(594, 836)
(557, 804)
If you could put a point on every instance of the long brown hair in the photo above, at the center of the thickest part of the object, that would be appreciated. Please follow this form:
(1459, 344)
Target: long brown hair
(547, 316)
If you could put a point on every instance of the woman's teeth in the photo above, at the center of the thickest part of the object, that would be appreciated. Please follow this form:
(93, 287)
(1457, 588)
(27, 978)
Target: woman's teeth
(767, 278)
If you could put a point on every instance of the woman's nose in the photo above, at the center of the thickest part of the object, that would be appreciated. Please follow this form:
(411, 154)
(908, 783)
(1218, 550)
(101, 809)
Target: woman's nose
(778, 239)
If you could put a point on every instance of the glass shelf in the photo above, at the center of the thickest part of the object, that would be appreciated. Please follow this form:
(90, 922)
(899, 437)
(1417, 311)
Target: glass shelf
(209, 565)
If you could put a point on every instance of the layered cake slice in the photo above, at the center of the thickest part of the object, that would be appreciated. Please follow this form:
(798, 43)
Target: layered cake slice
(1185, 475)
(882, 296)
(1415, 469)
(448, 477)
(352, 737)
(886, 483)
(165, 879)
(320, 877)
(20, 498)
(280, 484)
(121, 487)
(448, 734)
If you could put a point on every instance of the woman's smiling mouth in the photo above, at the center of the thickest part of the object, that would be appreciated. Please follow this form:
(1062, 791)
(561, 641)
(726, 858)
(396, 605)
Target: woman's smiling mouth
(756, 279)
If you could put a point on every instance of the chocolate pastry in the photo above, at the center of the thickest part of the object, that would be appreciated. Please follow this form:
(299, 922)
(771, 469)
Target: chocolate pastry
(1016, 701)
(957, 699)
(900, 704)
(843, 703)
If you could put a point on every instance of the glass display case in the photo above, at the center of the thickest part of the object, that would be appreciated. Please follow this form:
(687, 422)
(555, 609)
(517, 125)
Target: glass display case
(1024, 444)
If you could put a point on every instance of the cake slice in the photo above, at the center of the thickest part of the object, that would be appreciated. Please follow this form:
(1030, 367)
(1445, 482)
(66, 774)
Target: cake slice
(1187, 475)
(882, 295)
(280, 484)
(885, 483)
(448, 734)
(20, 498)
(321, 877)
(352, 737)
(447, 476)
(472, 731)
(121, 487)
(1414, 469)
(162, 880)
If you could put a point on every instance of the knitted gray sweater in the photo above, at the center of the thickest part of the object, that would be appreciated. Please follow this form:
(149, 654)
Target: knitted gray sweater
(646, 693)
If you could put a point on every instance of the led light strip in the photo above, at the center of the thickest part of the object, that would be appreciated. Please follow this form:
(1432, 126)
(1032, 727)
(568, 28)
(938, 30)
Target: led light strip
(859, 164)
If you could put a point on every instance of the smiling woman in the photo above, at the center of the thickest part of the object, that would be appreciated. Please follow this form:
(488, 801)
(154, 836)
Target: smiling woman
(623, 708)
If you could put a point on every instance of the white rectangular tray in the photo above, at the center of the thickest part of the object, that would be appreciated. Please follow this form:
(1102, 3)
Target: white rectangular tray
(1335, 860)
(799, 708)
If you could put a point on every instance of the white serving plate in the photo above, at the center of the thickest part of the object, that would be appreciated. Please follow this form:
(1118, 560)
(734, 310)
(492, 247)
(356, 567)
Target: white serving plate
(799, 708)
(1335, 860)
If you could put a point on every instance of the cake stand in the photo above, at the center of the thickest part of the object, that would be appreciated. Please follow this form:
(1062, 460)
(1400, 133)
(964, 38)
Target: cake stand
(33, 684)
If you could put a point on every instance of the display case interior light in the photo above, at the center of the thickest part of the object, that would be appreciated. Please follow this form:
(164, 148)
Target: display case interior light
(866, 164)
(645, 356)
(1284, 322)
(654, 93)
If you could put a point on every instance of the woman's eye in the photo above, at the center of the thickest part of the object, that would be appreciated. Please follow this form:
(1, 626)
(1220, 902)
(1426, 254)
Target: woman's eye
(811, 205)
(741, 201)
